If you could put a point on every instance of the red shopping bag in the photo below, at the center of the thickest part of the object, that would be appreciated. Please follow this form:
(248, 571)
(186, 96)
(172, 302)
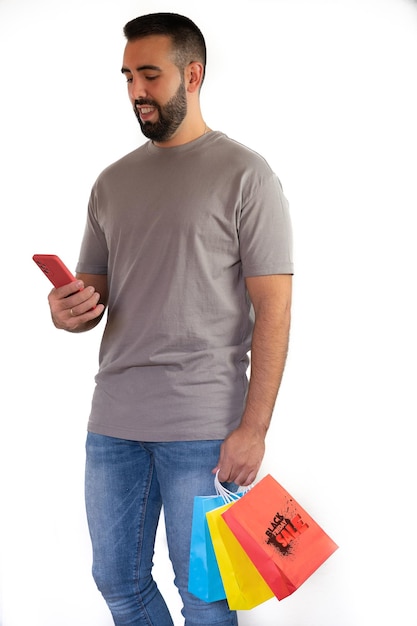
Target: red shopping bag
(283, 541)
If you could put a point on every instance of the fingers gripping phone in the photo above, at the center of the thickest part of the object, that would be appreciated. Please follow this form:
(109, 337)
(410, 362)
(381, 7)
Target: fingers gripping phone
(54, 269)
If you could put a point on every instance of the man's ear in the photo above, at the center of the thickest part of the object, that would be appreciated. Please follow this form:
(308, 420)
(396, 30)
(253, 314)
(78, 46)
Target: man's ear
(194, 73)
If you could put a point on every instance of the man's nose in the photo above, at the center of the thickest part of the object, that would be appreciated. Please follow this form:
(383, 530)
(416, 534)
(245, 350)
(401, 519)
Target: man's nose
(137, 89)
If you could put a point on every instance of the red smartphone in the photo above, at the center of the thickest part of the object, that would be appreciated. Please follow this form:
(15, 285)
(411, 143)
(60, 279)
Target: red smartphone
(54, 269)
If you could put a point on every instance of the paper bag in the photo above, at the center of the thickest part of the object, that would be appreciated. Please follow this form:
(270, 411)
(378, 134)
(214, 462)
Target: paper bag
(244, 586)
(204, 580)
(283, 541)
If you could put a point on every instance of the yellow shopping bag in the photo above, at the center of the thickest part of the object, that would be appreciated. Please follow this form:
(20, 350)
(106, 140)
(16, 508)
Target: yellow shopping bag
(244, 586)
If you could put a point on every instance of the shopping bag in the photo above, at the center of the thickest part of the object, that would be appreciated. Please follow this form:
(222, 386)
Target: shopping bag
(283, 541)
(204, 580)
(244, 586)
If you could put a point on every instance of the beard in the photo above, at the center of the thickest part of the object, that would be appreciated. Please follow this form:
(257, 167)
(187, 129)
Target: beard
(170, 115)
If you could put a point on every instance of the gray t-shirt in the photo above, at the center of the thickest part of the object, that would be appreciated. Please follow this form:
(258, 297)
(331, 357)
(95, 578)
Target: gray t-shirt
(177, 230)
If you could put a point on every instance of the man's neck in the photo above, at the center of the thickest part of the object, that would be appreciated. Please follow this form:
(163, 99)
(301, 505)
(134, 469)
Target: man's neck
(185, 134)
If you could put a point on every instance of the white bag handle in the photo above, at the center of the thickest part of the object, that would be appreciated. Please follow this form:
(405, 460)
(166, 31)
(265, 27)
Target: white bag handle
(226, 494)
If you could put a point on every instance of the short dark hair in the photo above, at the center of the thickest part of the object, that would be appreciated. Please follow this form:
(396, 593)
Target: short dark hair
(187, 39)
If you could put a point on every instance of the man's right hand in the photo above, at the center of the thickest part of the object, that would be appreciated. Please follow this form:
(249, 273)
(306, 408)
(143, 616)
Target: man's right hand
(74, 307)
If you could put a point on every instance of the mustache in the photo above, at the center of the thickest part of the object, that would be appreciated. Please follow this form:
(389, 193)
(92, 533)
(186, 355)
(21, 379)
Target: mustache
(144, 102)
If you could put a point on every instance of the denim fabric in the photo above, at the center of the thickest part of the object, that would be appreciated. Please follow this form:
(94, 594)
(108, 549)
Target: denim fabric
(127, 482)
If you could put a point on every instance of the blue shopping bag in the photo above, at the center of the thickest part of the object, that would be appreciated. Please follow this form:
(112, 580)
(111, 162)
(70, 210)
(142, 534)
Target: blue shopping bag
(204, 580)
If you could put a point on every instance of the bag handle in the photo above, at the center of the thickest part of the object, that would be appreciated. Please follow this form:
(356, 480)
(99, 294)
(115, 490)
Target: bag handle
(227, 495)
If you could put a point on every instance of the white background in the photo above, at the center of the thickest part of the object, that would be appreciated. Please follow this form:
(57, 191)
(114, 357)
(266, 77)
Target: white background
(326, 91)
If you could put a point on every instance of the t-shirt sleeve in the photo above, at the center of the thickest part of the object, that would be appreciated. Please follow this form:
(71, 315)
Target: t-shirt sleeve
(93, 256)
(265, 232)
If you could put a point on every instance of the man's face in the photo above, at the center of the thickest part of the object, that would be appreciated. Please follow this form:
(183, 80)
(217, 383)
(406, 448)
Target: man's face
(156, 87)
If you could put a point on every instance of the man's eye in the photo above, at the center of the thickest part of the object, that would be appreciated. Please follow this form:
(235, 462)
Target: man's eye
(129, 80)
(151, 77)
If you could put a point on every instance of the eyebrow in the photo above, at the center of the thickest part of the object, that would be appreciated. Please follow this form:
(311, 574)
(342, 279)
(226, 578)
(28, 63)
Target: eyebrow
(156, 68)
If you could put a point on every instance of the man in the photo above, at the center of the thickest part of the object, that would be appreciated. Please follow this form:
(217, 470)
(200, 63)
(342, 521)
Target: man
(188, 244)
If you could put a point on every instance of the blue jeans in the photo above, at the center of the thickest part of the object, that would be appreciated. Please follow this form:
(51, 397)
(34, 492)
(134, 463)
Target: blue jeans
(127, 482)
